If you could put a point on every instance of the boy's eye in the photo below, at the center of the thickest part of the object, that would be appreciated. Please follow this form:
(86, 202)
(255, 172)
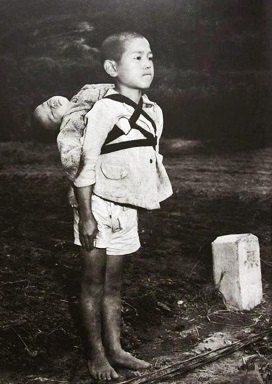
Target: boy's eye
(150, 58)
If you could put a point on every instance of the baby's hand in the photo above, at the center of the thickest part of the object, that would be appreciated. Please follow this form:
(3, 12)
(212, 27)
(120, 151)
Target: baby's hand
(72, 198)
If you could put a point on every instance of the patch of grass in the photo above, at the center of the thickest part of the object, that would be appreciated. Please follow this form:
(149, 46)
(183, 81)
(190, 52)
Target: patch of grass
(209, 65)
(17, 153)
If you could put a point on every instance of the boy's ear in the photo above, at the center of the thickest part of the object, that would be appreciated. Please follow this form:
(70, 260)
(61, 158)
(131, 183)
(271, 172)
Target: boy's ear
(110, 67)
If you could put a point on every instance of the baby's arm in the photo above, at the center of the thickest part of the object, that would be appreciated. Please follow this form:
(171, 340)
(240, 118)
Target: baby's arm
(72, 197)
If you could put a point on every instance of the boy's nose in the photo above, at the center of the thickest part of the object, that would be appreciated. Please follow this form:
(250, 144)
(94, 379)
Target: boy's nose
(147, 63)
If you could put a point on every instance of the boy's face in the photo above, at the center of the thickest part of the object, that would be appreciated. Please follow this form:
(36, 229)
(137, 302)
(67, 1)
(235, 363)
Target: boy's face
(50, 113)
(135, 70)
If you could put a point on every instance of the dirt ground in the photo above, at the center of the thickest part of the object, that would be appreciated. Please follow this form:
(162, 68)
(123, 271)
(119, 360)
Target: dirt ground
(171, 309)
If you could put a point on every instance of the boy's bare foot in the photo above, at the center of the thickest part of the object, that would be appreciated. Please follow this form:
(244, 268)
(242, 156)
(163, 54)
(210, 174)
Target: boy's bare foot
(100, 369)
(125, 359)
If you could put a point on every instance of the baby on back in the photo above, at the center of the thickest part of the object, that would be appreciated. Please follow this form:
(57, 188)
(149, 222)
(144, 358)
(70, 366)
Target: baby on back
(67, 118)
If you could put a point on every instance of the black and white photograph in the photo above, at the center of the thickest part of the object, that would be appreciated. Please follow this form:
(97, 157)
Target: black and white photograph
(136, 190)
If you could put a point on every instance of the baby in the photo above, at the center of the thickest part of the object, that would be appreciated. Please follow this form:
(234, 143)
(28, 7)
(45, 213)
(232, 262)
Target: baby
(66, 119)
(50, 113)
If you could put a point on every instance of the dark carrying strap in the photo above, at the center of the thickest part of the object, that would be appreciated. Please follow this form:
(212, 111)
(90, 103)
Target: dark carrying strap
(116, 132)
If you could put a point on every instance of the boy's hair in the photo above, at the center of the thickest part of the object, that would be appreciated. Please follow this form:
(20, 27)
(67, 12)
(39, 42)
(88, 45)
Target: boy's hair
(113, 46)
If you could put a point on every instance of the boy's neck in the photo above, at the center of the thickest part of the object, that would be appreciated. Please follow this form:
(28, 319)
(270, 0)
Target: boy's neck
(133, 94)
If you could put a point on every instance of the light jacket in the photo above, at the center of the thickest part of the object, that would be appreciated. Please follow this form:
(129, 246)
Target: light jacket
(72, 128)
(134, 176)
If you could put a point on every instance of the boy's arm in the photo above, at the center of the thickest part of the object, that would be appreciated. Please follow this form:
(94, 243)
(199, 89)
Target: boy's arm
(87, 223)
(100, 121)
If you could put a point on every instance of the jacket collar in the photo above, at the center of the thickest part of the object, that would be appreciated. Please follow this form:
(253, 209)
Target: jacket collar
(146, 102)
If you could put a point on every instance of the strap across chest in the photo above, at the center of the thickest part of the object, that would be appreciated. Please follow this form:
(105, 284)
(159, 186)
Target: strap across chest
(149, 140)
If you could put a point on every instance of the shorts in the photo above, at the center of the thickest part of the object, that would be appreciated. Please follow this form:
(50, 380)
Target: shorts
(117, 227)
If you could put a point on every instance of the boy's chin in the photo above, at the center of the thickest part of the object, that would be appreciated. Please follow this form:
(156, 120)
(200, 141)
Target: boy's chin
(146, 86)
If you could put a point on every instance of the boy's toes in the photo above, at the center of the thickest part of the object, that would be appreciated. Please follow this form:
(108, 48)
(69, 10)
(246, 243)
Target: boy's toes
(114, 375)
(102, 370)
(109, 375)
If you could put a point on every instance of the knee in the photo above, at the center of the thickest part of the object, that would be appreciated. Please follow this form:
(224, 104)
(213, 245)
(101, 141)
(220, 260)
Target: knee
(112, 288)
(92, 285)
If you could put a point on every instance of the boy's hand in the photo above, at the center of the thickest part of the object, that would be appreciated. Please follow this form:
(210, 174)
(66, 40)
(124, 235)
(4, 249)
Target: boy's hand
(87, 225)
(87, 232)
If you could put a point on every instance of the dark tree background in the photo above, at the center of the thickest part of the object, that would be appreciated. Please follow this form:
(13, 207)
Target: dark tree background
(212, 60)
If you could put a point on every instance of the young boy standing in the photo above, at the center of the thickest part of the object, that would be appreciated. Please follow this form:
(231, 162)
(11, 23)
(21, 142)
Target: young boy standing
(121, 171)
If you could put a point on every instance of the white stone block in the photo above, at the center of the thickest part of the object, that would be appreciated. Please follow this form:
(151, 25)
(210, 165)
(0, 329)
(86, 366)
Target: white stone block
(237, 270)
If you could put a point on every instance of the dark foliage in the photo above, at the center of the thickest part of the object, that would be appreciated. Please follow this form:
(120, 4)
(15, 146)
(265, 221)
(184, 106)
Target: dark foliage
(212, 60)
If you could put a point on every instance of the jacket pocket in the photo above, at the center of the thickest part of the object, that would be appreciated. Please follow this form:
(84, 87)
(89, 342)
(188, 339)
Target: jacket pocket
(114, 171)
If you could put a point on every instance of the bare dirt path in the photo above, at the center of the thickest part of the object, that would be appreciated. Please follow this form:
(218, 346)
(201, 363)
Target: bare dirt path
(171, 310)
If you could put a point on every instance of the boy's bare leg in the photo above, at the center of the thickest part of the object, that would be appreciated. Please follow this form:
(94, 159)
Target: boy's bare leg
(111, 310)
(94, 264)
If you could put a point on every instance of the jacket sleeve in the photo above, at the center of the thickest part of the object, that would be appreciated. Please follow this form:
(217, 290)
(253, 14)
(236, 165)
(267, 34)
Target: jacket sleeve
(100, 121)
(69, 139)
(72, 128)
(159, 121)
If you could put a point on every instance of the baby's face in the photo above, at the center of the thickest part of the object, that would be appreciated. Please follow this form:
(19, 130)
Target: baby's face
(50, 112)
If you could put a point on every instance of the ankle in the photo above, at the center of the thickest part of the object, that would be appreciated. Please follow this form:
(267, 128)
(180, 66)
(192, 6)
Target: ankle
(95, 352)
(114, 350)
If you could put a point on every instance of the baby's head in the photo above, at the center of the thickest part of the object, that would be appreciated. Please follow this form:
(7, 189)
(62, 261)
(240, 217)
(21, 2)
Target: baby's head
(127, 58)
(50, 113)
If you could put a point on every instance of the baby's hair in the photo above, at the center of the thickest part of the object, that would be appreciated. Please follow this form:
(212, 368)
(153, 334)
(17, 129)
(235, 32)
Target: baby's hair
(113, 46)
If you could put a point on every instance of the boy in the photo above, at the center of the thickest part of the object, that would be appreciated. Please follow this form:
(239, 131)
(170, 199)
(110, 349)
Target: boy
(120, 172)
(109, 189)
